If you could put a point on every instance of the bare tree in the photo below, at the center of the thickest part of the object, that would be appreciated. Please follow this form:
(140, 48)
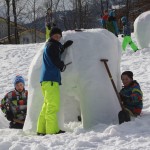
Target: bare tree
(16, 7)
(8, 19)
(127, 8)
(32, 12)
(15, 22)
(81, 13)
(52, 4)
(102, 8)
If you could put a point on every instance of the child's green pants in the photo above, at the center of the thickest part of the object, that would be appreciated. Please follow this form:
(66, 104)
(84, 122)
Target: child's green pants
(127, 40)
(48, 121)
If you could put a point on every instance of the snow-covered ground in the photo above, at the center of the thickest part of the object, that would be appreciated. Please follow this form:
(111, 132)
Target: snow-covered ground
(132, 135)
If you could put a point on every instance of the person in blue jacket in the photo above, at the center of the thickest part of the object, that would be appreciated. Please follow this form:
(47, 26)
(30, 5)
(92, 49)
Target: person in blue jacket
(111, 23)
(50, 80)
(104, 19)
(127, 35)
(131, 96)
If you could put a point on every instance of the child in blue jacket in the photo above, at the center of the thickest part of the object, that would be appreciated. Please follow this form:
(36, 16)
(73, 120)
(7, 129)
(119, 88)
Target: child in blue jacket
(131, 96)
(50, 79)
(112, 25)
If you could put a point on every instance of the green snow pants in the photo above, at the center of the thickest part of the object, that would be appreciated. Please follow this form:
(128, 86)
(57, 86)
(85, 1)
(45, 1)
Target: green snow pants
(47, 33)
(48, 121)
(127, 40)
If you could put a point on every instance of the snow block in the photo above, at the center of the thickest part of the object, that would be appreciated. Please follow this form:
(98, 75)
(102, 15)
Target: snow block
(142, 30)
(86, 88)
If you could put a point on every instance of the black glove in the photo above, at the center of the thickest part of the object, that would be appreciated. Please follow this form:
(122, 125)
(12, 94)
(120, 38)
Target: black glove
(49, 27)
(67, 44)
(125, 99)
(122, 35)
(9, 115)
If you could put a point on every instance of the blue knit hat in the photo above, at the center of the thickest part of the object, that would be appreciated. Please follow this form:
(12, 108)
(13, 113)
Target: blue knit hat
(18, 79)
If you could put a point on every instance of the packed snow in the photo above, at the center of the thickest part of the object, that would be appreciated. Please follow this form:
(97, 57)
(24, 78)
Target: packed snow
(85, 83)
(142, 29)
(134, 135)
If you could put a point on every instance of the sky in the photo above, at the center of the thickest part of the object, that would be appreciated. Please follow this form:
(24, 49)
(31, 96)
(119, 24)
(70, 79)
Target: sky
(132, 135)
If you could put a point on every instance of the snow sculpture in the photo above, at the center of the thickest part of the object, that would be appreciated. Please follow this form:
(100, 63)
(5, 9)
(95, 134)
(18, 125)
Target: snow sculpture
(86, 87)
(142, 29)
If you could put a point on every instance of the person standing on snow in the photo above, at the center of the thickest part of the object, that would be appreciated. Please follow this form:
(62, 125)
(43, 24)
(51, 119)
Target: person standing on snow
(49, 22)
(50, 80)
(111, 24)
(131, 96)
(127, 35)
(14, 104)
(104, 19)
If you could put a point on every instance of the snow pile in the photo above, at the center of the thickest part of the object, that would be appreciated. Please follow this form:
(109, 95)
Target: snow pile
(142, 29)
(85, 83)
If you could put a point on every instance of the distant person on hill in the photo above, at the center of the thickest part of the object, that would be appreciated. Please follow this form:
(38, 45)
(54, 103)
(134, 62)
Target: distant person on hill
(14, 104)
(104, 19)
(49, 22)
(50, 80)
(131, 96)
(111, 23)
(127, 35)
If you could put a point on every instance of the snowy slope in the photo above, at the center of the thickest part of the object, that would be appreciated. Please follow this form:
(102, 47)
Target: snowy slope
(128, 136)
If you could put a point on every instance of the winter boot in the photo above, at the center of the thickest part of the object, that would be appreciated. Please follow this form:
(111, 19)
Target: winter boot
(60, 131)
(123, 116)
(40, 134)
(15, 125)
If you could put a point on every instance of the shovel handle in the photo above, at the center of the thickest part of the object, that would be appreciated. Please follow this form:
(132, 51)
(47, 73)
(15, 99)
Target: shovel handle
(112, 81)
(68, 63)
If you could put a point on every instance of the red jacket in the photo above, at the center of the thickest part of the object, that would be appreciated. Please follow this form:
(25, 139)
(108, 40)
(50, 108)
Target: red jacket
(104, 20)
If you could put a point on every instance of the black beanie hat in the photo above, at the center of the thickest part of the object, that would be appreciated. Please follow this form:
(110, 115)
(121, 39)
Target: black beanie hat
(128, 73)
(55, 30)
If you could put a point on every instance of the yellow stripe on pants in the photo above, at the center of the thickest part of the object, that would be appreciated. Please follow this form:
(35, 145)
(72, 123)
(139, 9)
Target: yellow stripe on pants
(48, 121)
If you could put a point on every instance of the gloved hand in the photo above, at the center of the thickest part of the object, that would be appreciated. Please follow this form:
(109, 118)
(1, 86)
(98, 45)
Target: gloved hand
(49, 26)
(67, 44)
(125, 99)
(122, 35)
(9, 115)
